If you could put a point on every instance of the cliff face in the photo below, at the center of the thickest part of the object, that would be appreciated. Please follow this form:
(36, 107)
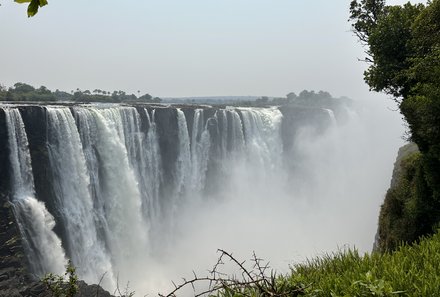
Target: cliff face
(399, 219)
(15, 279)
(12, 259)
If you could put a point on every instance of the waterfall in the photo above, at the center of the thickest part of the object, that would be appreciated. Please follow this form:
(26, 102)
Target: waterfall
(137, 190)
(236, 132)
(153, 170)
(332, 117)
(183, 166)
(119, 199)
(262, 136)
(200, 146)
(36, 224)
(72, 183)
(106, 168)
(222, 118)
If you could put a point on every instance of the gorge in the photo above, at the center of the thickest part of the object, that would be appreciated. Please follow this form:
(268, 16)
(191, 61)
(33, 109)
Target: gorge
(145, 193)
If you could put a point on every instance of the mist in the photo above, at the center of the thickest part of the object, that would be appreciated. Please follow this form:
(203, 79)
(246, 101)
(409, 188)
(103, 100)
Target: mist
(329, 201)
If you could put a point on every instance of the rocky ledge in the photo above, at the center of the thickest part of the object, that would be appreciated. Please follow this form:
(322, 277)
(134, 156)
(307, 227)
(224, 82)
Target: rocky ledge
(15, 280)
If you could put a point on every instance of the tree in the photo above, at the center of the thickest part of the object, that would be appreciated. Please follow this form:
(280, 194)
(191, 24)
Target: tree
(23, 88)
(403, 48)
(386, 31)
(291, 96)
(147, 97)
(33, 6)
(43, 90)
(365, 15)
(3, 92)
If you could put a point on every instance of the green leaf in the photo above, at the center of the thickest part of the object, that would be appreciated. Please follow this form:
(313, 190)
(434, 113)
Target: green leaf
(33, 5)
(33, 8)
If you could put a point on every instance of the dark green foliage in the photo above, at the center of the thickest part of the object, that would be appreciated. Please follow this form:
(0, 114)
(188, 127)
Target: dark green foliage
(387, 33)
(391, 50)
(365, 14)
(403, 47)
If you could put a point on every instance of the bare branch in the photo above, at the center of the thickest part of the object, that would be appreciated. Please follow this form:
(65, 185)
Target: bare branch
(253, 281)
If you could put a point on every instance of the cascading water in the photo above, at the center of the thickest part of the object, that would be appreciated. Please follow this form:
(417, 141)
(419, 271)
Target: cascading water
(183, 165)
(35, 222)
(263, 137)
(200, 145)
(152, 172)
(119, 200)
(332, 116)
(74, 199)
(127, 204)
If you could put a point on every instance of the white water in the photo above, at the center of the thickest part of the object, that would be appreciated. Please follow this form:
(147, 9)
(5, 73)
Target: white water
(183, 166)
(119, 197)
(153, 177)
(72, 184)
(200, 146)
(35, 222)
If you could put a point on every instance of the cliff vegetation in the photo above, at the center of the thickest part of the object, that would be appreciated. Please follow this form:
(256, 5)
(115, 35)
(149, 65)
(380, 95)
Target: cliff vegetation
(402, 47)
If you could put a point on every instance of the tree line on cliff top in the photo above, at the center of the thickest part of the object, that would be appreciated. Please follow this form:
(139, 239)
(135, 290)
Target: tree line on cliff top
(25, 92)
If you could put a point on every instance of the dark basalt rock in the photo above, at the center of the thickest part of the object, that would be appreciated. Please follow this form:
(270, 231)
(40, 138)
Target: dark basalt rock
(35, 122)
(13, 273)
(168, 136)
(296, 118)
(4, 155)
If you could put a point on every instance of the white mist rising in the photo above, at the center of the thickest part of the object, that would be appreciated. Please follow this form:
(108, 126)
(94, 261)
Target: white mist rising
(332, 203)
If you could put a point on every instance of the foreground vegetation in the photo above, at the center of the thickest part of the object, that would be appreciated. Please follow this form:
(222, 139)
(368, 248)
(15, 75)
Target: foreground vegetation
(411, 270)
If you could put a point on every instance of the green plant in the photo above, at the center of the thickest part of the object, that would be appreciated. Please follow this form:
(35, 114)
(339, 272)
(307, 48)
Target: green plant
(62, 285)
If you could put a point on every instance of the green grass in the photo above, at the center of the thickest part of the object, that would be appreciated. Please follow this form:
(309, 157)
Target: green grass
(409, 271)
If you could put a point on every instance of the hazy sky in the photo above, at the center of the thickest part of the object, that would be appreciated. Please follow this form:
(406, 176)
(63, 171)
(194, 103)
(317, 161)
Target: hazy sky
(184, 47)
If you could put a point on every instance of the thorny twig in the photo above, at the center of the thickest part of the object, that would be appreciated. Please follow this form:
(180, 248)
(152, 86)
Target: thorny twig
(253, 279)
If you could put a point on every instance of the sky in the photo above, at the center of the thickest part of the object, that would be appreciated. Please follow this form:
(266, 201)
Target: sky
(175, 48)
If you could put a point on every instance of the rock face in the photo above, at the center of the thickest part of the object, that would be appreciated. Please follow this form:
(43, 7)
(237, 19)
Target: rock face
(394, 202)
(13, 274)
(404, 152)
